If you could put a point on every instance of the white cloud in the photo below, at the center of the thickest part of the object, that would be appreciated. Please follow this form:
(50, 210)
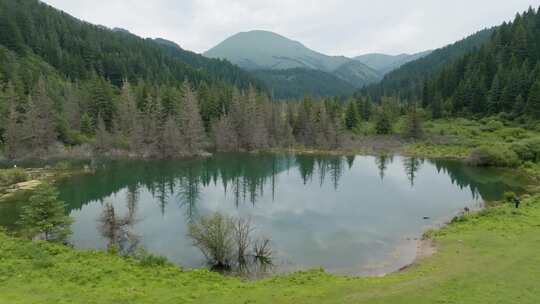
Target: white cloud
(340, 27)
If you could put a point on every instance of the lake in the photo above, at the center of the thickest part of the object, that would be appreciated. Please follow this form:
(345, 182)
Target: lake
(351, 215)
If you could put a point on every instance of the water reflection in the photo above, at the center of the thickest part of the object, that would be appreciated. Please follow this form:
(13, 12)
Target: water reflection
(245, 178)
(330, 211)
(118, 230)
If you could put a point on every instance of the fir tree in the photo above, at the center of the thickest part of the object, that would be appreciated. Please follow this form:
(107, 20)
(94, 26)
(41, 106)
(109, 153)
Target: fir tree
(192, 125)
(45, 217)
(533, 104)
(414, 127)
(351, 116)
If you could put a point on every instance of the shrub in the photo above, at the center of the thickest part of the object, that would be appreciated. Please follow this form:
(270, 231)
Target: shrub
(12, 176)
(512, 134)
(63, 165)
(214, 236)
(508, 197)
(528, 149)
(492, 126)
(225, 242)
(496, 156)
(147, 259)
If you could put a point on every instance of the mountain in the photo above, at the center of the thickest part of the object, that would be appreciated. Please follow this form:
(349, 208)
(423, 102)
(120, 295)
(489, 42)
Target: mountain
(294, 83)
(384, 64)
(263, 50)
(407, 81)
(257, 50)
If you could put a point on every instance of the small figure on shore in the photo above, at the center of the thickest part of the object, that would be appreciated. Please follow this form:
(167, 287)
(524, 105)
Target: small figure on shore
(517, 201)
(467, 210)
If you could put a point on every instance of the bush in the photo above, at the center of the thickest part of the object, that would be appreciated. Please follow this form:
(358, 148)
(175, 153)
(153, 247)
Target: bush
(12, 176)
(492, 126)
(147, 259)
(63, 165)
(512, 134)
(528, 149)
(508, 197)
(225, 242)
(496, 156)
(214, 236)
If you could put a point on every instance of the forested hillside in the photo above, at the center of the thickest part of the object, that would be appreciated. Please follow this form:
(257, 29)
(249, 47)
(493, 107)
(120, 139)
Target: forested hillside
(502, 75)
(78, 49)
(61, 81)
(295, 83)
(492, 72)
(407, 81)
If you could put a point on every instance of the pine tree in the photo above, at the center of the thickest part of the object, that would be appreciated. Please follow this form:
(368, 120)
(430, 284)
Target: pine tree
(103, 142)
(226, 138)
(87, 126)
(305, 132)
(192, 125)
(383, 125)
(437, 106)
(495, 95)
(366, 108)
(127, 111)
(39, 131)
(519, 107)
(44, 216)
(171, 139)
(351, 116)
(414, 127)
(13, 134)
(533, 104)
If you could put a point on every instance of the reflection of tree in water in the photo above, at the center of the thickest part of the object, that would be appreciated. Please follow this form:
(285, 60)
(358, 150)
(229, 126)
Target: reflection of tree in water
(350, 161)
(326, 165)
(189, 192)
(117, 229)
(305, 164)
(486, 183)
(247, 176)
(382, 162)
(412, 165)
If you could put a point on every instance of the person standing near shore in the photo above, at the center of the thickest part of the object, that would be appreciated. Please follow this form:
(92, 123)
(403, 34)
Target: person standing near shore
(517, 201)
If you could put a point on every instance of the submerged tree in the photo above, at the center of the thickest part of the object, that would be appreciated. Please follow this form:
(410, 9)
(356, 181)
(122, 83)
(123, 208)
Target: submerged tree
(225, 242)
(214, 236)
(45, 217)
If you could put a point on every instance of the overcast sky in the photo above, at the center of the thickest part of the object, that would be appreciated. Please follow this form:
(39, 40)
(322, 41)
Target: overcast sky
(338, 27)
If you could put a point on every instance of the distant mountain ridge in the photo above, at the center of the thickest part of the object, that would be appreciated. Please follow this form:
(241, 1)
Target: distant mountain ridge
(386, 63)
(258, 50)
(407, 81)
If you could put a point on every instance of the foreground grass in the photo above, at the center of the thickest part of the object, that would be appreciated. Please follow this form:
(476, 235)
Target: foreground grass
(491, 257)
